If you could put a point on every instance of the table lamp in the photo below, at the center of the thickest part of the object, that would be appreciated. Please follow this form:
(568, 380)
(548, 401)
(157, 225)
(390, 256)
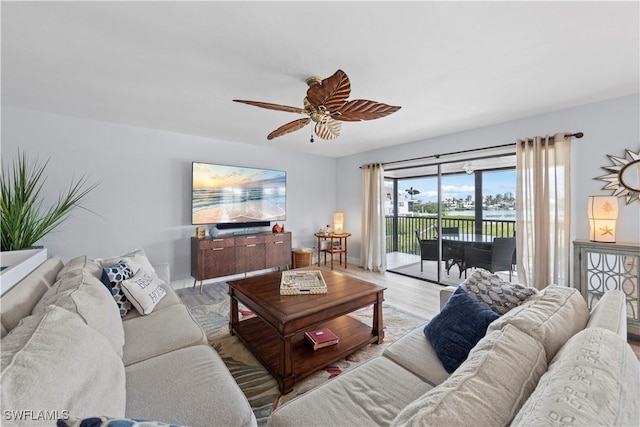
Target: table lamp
(602, 212)
(338, 222)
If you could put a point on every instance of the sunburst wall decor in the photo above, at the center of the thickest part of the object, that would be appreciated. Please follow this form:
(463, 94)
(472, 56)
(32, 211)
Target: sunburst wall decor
(624, 176)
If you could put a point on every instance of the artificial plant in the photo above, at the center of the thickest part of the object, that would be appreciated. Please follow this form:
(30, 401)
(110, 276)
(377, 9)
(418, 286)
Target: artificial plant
(23, 219)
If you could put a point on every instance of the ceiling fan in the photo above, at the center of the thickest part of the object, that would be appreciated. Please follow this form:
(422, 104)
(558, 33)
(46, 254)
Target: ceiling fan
(326, 104)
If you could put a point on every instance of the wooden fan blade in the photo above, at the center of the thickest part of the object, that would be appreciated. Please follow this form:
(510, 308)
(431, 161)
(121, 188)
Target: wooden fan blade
(330, 129)
(272, 106)
(289, 127)
(331, 92)
(363, 109)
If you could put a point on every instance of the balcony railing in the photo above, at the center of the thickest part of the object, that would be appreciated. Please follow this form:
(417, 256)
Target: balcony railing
(406, 241)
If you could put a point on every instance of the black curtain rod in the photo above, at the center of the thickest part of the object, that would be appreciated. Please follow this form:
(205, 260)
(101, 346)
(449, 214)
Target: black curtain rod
(577, 135)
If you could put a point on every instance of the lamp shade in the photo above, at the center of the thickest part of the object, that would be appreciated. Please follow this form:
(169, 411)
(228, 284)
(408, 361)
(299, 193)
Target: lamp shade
(338, 222)
(602, 212)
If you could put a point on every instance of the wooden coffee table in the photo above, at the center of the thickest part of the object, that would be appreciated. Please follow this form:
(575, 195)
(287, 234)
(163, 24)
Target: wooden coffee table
(276, 334)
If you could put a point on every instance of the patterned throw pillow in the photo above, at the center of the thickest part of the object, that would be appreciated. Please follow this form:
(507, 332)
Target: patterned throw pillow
(112, 278)
(497, 294)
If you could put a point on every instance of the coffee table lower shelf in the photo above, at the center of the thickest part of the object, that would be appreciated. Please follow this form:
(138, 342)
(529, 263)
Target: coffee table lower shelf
(267, 345)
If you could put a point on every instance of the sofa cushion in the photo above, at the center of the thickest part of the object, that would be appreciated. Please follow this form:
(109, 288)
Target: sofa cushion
(370, 395)
(112, 278)
(191, 386)
(85, 296)
(56, 362)
(108, 262)
(552, 317)
(19, 301)
(592, 381)
(457, 328)
(160, 332)
(143, 291)
(416, 354)
(498, 294)
(79, 264)
(486, 390)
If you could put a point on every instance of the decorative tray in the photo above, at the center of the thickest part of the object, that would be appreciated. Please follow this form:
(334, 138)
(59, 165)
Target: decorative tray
(303, 282)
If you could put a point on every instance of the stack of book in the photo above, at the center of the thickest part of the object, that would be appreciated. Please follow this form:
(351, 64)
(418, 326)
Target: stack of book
(321, 338)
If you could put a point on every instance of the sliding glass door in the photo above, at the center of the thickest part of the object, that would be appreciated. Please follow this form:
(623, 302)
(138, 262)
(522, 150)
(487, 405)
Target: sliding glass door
(445, 207)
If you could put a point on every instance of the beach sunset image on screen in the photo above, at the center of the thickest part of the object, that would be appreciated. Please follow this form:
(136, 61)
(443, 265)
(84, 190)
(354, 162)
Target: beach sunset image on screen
(228, 194)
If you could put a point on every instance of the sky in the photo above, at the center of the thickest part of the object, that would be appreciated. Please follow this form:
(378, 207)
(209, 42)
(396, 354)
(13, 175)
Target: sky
(459, 186)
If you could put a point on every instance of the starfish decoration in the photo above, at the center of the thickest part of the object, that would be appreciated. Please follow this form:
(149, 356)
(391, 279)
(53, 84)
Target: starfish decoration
(606, 230)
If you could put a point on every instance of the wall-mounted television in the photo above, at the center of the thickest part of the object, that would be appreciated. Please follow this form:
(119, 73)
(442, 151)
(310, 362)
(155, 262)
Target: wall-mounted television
(223, 194)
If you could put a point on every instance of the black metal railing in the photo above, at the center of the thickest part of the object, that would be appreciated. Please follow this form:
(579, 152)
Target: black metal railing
(404, 238)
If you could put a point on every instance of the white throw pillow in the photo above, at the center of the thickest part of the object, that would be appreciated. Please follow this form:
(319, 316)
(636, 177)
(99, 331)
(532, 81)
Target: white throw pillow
(137, 259)
(143, 291)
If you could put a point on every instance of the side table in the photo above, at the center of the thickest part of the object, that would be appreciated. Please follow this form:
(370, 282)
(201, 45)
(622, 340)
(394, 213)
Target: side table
(336, 244)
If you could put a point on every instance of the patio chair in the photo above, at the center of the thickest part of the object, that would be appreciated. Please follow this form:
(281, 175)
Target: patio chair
(428, 250)
(499, 258)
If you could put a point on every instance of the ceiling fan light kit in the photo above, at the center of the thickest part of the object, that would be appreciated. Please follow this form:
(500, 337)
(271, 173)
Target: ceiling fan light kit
(326, 105)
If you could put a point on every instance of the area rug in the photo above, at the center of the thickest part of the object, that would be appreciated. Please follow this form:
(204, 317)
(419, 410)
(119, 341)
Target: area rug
(211, 311)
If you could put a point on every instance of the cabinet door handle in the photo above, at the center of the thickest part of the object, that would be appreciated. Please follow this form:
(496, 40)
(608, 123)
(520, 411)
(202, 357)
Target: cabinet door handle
(250, 246)
(251, 237)
(217, 240)
(218, 249)
(279, 243)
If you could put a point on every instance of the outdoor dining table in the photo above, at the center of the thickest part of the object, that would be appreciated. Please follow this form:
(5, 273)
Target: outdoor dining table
(453, 247)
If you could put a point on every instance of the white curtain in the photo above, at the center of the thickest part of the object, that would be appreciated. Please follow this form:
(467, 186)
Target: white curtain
(543, 207)
(374, 249)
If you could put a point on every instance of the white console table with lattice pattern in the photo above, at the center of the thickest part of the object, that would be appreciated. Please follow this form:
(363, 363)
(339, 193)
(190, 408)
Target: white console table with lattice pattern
(599, 267)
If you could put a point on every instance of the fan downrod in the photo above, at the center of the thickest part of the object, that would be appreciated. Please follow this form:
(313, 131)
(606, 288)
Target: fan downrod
(313, 81)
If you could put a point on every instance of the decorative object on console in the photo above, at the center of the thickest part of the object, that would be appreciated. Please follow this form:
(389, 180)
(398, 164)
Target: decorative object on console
(624, 176)
(338, 222)
(277, 228)
(200, 232)
(602, 212)
(23, 219)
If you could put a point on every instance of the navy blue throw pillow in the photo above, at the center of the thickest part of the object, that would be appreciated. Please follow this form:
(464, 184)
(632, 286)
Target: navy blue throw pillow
(454, 331)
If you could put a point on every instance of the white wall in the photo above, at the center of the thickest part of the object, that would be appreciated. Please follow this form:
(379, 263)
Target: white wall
(144, 198)
(609, 127)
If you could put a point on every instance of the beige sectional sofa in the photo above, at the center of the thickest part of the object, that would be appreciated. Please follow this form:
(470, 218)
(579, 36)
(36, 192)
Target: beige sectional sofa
(66, 353)
(548, 361)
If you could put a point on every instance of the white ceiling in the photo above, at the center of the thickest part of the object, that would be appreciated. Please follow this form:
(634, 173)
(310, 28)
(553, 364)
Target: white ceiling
(452, 66)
